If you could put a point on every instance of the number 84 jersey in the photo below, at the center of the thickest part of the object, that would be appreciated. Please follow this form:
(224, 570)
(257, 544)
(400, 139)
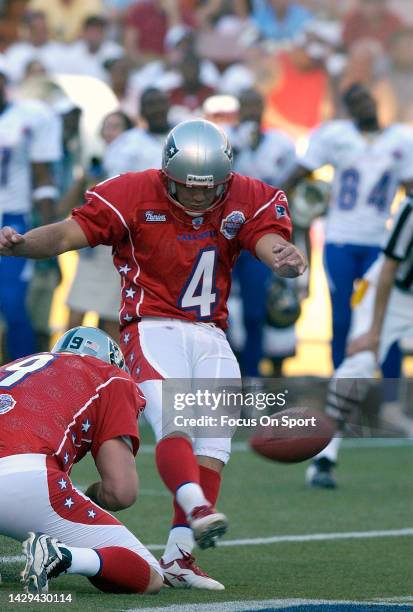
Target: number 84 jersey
(368, 169)
(171, 264)
(29, 133)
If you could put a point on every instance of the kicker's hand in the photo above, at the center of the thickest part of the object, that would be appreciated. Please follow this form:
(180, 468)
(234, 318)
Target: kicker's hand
(9, 238)
(289, 262)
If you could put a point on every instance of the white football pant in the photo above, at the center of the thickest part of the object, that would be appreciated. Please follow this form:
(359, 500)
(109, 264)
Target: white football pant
(173, 349)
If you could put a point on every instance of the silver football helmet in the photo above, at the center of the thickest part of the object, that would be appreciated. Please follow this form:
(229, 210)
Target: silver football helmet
(309, 200)
(197, 153)
(91, 341)
(282, 303)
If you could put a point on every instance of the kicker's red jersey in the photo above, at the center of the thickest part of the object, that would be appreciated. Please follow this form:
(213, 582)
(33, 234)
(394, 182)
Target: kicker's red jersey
(171, 264)
(64, 405)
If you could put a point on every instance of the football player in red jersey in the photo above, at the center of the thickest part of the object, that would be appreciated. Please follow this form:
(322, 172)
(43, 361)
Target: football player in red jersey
(176, 234)
(54, 408)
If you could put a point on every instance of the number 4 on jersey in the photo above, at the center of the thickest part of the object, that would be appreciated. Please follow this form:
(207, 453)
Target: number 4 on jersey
(200, 293)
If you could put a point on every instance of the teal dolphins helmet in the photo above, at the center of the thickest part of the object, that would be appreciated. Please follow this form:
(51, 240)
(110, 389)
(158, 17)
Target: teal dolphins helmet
(197, 153)
(91, 341)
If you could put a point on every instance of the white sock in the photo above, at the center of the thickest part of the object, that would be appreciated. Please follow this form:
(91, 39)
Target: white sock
(179, 538)
(331, 450)
(189, 496)
(85, 561)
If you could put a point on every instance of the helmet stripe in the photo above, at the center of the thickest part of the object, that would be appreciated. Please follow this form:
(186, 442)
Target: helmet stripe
(68, 338)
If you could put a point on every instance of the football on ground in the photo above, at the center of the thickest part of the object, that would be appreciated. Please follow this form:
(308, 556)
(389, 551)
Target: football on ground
(293, 435)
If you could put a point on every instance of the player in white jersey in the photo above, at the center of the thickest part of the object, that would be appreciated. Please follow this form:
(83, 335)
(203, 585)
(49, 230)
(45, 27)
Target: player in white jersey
(30, 138)
(140, 148)
(370, 164)
(269, 156)
(383, 316)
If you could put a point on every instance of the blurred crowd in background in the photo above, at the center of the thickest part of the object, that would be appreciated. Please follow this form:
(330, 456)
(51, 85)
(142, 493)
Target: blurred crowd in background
(117, 74)
(194, 48)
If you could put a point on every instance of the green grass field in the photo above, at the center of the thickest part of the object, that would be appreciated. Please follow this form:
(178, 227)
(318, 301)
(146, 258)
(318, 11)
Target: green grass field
(262, 500)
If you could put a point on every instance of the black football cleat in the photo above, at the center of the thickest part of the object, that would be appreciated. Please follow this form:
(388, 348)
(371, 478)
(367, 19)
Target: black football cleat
(320, 474)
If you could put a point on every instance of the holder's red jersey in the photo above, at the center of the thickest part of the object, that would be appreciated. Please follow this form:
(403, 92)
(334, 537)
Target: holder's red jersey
(172, 264)
(64, 405)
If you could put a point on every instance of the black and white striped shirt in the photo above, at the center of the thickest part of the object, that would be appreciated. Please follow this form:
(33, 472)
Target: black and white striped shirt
(399, 245)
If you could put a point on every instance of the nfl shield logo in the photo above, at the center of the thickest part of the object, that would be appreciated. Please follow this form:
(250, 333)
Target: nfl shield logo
(197, 222)
(7, 403)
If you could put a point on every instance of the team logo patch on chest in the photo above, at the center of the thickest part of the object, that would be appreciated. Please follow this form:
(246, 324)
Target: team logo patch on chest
(232, 224)
(155, 216)
(7, 403)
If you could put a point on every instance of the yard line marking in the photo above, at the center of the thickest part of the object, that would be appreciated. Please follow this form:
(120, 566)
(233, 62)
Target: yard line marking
(267, 604)
(147, 492)
(312, 537)
(242, 447)
(154, 492)
(11, 558)
(400, 599)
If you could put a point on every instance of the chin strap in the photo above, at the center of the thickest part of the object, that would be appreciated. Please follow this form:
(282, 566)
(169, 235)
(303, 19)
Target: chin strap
(220, 191)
